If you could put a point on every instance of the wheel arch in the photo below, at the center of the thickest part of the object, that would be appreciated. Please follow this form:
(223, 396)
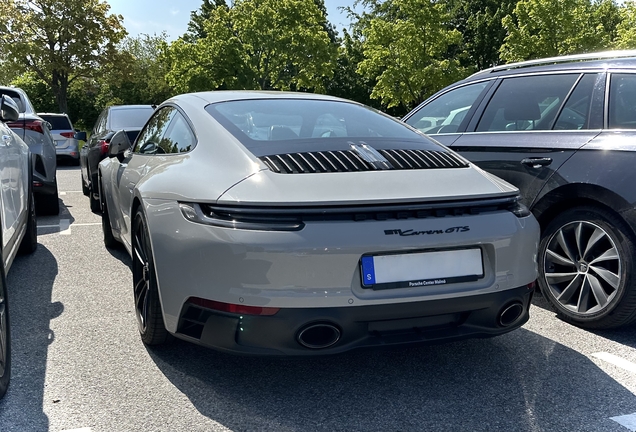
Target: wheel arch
(583, 194)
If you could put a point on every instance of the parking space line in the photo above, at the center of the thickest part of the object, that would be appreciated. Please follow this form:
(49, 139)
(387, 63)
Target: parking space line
(65, 227)
(84, 429)
(616, 361)
(61, 193)
(628, 421)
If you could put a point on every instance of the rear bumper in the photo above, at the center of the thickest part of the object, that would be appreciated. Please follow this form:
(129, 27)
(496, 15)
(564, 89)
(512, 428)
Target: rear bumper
(41, 187)
(371, 326)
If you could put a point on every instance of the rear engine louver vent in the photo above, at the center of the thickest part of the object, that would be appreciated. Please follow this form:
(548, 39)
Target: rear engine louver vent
(348, 161)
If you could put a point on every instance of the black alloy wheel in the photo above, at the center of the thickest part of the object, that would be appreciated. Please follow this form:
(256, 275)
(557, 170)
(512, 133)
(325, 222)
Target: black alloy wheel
(5, 336)
(586, 268)
(147, 307)
(93, 195)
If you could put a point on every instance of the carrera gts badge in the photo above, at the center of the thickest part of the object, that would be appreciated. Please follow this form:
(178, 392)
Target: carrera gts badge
(406, 233)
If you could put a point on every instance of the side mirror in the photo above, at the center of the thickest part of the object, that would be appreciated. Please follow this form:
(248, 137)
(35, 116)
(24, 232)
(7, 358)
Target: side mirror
(81, 136)
(119, 143)
(9, 110)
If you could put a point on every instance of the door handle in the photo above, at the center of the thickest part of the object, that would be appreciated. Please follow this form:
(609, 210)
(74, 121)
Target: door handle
(536, 162)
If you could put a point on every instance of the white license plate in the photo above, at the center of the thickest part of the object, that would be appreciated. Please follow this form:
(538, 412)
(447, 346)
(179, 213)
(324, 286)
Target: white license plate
(422, 269)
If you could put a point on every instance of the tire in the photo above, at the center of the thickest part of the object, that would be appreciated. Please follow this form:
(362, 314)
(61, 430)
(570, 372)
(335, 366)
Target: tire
(5, 336)
(49, 204)
(85, 189)
(586, 268)
(147, 307)
(95, 205)
(109, 239)
(30, 241)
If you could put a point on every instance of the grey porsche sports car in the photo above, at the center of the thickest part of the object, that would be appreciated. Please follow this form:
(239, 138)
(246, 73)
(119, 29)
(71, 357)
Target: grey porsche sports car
(296, 224)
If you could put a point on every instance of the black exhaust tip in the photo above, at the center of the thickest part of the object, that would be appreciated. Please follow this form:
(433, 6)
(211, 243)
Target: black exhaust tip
(510, 314)
(318, 336)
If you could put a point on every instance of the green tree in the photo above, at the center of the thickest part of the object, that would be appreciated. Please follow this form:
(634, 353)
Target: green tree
(480, 23)
(255, 44)
(626, 29)
(406, 45)
(196, 26)
(59, 40)
(546, 28)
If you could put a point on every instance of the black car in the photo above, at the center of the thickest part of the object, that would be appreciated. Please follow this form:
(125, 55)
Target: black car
(563, 130)
(130, 118)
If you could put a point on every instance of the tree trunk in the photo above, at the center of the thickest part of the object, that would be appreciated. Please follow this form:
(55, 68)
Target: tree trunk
(59, 85)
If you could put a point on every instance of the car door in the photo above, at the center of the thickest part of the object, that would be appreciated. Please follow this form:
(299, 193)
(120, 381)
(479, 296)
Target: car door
(531, 125)
(134, 165)
(10, 182)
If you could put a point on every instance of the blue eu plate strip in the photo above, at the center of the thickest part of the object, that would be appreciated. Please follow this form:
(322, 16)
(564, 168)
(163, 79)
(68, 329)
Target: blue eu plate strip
(368, 271)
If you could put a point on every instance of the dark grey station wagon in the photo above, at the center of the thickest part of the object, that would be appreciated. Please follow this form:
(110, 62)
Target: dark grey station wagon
(563, 130)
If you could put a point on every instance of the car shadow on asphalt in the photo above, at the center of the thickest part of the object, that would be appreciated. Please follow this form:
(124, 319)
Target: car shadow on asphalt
(31, 311)
(625, 335)
(520, 381)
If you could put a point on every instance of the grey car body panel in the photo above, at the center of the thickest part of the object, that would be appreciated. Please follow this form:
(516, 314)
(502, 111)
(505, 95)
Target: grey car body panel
(41, 144)
(317, 266)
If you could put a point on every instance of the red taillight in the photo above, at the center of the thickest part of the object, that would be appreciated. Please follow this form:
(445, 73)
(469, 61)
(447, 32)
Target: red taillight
(103, 145)
(34, 125)
(233, 308)
(68, 134)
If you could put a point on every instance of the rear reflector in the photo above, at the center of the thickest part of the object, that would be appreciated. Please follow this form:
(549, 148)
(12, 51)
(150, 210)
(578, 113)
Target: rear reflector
(233, 308)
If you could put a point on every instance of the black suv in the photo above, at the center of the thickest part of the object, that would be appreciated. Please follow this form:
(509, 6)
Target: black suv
(563, 130)
(112, 119)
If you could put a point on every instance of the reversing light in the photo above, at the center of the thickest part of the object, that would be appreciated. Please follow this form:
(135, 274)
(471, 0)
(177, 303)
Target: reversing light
(233, 308)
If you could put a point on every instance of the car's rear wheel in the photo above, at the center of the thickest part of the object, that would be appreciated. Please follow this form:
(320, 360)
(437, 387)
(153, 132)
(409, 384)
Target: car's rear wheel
(49, 204)
(93, 195)
(5, 336)
(85, 189)
(30, 240)
(586, 268)
(109, 238)
(147, 307)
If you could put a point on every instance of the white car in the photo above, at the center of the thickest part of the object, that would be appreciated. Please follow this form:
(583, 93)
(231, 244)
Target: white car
(17, 217)
(298, 224)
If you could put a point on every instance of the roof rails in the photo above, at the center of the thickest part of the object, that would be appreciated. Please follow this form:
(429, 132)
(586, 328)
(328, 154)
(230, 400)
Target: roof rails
(561, 59)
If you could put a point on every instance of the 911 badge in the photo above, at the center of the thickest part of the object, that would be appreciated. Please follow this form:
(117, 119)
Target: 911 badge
(410, 232)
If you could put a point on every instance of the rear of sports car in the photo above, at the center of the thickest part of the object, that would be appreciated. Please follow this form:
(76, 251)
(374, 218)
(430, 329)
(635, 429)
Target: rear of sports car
(343, 243)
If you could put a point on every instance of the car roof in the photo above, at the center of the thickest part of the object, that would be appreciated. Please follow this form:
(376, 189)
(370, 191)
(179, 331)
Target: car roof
(53, 114)
(124, 107)
(580, 62)
(235, 95)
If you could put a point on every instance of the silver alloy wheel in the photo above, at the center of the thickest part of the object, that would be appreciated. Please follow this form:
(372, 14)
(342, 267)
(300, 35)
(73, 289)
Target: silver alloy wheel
(582, 268)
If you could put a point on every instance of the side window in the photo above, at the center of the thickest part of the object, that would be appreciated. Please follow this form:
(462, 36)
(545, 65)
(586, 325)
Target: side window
(178, 138)
(622, 97)
(150, 136)
(576, 111)
(526, 103)
(445, 113)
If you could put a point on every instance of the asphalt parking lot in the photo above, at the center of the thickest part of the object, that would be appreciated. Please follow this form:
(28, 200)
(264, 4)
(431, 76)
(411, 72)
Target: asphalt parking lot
(79, 365)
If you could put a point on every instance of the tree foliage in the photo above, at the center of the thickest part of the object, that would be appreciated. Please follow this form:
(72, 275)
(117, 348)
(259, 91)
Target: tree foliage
(547, 28)
(626, 29)
(405, 49)
(59, 40)
(255, 44)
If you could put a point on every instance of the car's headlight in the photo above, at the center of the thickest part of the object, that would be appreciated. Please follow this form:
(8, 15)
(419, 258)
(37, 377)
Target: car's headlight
(238, 219)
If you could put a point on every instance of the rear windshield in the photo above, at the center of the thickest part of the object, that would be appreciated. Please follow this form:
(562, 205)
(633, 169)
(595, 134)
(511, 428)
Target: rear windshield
(297, 123)
(57, 122)
(129, 118)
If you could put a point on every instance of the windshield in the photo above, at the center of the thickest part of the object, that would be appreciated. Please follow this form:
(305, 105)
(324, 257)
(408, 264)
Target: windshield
(57, 122)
